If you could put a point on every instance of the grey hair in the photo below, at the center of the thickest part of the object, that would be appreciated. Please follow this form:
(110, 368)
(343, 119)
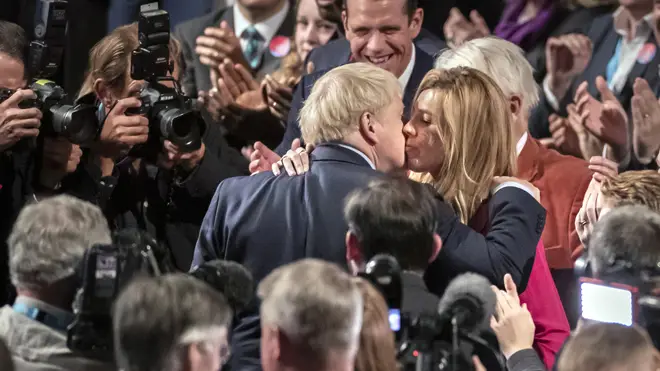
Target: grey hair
(315, 303)
(49, 239)
(627, 232)
(501, 60)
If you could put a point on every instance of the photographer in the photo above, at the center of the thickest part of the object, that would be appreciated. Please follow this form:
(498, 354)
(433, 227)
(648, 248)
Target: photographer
(397, 217)
(185, 327)
(167, 196)
(47, 245)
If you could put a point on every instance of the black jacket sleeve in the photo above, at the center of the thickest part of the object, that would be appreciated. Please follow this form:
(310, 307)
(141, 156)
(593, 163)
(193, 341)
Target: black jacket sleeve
(525, 360)
(509, 247)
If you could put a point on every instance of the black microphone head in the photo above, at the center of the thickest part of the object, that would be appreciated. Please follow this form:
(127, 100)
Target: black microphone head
(231, 279)
(384, 272)
(471, 296)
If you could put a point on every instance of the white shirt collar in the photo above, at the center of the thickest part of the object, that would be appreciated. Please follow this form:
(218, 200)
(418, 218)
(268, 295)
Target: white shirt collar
(405, 76)
(359, 153)
(622, 16)
(521, 144)
(266, 28)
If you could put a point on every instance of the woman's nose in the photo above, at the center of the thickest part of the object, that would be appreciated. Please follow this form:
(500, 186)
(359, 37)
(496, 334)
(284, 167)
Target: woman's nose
(409, 130)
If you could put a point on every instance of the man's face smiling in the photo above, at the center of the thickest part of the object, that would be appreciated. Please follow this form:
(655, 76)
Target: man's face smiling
(380, 32)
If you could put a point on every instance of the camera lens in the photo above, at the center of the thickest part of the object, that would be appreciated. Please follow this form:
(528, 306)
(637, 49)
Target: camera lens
(78, 124)
(182, 128)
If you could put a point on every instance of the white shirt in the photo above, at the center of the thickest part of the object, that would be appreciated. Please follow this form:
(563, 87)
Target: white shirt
(630, 49)
(521, 144)
(266, 28)
(405, 76)
(371, 164)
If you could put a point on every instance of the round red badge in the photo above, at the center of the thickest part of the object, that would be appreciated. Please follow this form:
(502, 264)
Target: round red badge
(280, 46)
(647, 53)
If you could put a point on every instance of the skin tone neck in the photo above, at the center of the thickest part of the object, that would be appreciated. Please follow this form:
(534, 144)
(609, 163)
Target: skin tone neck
(356, 141)
(258, 15)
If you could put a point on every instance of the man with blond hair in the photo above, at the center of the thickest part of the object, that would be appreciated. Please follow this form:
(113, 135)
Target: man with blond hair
(353, 116)
(563, 180)
(294, 336)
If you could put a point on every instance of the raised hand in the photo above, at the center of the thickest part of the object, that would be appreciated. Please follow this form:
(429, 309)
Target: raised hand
(17, 123)
(566, 58)
(646, 121)
(120, 132)
(564, 138)
(279, 97)
(218, 44)
(262, 158)
(459, 29)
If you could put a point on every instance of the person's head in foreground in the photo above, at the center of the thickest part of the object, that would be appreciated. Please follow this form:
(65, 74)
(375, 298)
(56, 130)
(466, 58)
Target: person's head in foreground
(460, 136)
(170, 323)
(505, 63)
(377, 351)
(359, 105)
(394, 216)
(627, 233)
(47, 245)
(609, 347)
(311, 316)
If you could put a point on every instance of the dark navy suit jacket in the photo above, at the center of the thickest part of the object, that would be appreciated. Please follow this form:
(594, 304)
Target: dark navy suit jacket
(335, 54)
(266, 221)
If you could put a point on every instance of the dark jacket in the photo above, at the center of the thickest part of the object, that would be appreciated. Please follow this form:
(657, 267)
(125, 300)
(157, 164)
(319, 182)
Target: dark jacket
(266, 221)
(332, 55)
(196, 76)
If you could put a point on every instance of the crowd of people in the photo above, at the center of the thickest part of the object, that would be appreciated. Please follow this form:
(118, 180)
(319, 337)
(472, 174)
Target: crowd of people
(518, 140)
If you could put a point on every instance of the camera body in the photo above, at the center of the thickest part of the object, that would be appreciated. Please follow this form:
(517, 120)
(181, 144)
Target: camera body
(77, 123)
(105, 270)
(171, 114)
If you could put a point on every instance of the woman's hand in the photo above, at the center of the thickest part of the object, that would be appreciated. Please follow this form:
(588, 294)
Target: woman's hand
(513, 324)
(121, 132)
(295, 161)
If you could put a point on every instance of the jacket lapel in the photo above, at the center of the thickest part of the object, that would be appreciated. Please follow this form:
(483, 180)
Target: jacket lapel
(270, 62)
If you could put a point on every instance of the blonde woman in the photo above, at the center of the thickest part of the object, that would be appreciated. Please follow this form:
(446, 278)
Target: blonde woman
(458, 139)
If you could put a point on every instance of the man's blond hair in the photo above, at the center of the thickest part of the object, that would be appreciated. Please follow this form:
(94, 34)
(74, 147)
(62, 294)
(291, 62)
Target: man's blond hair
(633, 188)
(316, 304)
(338, 99)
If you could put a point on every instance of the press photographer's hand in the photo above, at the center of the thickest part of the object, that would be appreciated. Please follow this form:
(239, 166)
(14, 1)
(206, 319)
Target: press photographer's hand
(17, 123)
(121, 132)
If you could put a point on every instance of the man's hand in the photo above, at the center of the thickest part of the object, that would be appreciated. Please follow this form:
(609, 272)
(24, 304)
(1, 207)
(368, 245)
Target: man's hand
(173, 156)
(279, 97)
(646, 121)
(121, 132)
(498, 180)
(566, 58)
(605, 119)
(459, 30)
(17, 123)
(60, 158)
(218, 44)
(513, 326)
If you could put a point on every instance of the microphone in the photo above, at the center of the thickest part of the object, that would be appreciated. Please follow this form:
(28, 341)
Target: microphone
(231, 279)
(470, 300)
(384, 272)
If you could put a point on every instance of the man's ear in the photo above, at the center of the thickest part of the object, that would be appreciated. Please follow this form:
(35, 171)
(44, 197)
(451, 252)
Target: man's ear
(416, 21)
(353, 254)
(368, 128)
(103, 93)
(516, 106)
(344, 20)
(437, 246)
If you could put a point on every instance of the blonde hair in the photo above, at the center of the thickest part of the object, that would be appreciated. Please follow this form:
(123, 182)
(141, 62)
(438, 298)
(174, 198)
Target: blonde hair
(110, 58)
(339, 98)
(474, 125)
(503, 61)
(377, 350)
(294, 295)
(633, 188)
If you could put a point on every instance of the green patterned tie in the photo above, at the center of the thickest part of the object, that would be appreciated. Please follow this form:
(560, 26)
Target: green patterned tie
(251, 52)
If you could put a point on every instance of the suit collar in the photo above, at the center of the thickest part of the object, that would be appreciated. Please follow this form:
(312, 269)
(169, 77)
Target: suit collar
(335, 152)
(528, 160)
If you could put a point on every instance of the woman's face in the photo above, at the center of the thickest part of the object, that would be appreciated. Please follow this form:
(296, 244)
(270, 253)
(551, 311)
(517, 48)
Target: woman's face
(311, 29)
(424, 150)
(132, 87)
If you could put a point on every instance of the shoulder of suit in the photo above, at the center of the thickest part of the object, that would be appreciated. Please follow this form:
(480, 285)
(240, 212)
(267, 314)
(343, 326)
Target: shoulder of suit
(561, 168)
(189, 30)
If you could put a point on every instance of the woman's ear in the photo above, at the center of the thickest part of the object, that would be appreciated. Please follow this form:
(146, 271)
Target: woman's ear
(367, 128)
(103, 93)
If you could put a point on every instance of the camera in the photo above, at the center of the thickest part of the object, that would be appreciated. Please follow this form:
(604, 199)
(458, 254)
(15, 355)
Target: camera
(171, 114)
(105, 270)
(444, 340)
(77, 123)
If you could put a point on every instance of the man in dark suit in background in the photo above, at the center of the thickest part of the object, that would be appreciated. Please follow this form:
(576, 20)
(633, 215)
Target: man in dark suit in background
(254, 33)
(354, 116)
(377, 32)
(397, 217)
